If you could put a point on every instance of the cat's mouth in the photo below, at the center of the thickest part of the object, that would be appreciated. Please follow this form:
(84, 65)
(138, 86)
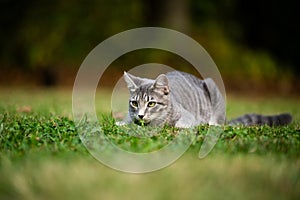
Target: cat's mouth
(141, 122)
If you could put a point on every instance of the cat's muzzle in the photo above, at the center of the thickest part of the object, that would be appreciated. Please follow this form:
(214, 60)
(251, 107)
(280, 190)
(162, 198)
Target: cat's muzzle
(141, 122)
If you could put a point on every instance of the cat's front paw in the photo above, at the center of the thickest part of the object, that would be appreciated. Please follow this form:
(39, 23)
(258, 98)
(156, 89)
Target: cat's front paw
(121, 123)
(214, 123)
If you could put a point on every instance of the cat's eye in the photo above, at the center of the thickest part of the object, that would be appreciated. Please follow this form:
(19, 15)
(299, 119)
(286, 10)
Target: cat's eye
(151, 104)
(134, 103)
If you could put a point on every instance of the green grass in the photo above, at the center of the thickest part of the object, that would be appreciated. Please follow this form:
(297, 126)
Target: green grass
(42, 157)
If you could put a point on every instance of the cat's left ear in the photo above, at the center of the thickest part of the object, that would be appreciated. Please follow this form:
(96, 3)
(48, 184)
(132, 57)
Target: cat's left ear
(161, 83)
(131, 81)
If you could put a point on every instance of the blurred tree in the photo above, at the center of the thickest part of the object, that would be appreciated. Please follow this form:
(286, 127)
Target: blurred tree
(272, 25)
(13, 15)
(172, 14)
(60, 32)
(46, 33)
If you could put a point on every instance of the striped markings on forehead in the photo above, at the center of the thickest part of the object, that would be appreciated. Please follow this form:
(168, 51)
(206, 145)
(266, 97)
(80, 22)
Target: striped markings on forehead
(143, 97)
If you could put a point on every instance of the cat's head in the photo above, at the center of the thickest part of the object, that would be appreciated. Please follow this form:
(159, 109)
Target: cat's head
(149, 99)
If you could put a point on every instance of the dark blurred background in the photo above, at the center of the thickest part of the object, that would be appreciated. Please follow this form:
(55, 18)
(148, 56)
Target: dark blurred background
(254, 43)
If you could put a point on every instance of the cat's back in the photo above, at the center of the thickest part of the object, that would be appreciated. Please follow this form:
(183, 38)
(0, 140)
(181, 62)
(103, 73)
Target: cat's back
(184, 80)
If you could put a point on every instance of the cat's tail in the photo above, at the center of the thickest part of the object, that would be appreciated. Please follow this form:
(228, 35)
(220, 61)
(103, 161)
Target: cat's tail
(256, 119)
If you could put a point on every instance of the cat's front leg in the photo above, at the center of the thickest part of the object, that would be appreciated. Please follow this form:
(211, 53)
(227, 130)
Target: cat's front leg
(183, 125)
(187, 120)
(124, 122)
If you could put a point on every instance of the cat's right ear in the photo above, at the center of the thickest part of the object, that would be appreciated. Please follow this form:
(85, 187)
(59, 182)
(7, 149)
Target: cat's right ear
(130, 80)
(162, 84)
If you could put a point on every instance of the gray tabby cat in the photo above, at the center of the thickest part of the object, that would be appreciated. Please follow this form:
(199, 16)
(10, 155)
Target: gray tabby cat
(182, 100)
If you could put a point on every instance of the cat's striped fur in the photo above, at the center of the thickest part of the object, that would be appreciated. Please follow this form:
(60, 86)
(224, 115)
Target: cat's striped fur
(182, 100)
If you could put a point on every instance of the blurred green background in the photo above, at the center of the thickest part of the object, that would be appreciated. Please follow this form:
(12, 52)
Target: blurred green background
(254, 43)
(43, 43)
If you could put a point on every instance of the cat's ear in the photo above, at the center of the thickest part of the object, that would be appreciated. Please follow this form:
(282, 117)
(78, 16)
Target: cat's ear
(161, 83)
(131, 81)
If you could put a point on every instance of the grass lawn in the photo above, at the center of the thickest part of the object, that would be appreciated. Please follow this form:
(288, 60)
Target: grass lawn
(42, 157)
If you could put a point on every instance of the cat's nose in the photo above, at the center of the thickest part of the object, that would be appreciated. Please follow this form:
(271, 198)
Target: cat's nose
(141, 116)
